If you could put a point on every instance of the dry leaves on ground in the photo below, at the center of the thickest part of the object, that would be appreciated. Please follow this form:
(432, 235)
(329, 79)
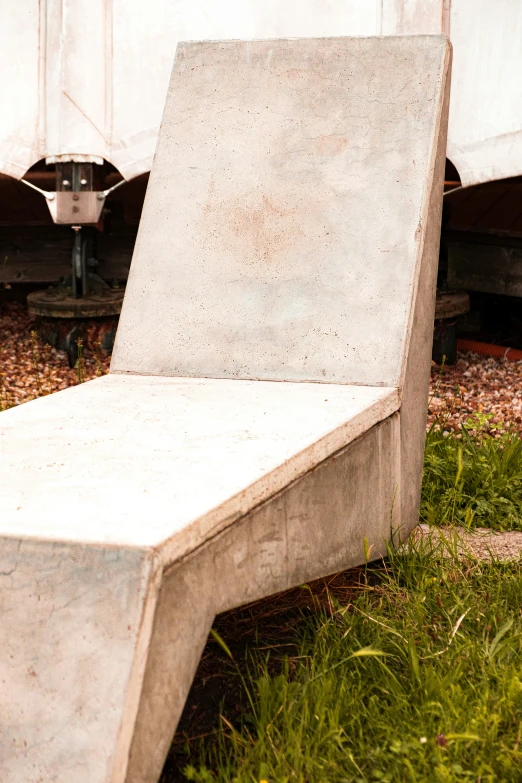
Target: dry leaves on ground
(30, 369)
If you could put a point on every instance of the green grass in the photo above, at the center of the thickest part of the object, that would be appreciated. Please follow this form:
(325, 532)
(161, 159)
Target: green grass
(414, 674)
(473, 478)
(418, 678)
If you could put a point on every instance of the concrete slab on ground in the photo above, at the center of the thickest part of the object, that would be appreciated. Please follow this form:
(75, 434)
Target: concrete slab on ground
(481, 543)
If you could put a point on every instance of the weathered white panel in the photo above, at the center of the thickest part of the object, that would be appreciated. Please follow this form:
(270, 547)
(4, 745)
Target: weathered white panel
(251, 259)
(413, 17)
(78, 113)
(95, 74)
(485, 127)
(20, 134)
(74, 81)
(144, 42)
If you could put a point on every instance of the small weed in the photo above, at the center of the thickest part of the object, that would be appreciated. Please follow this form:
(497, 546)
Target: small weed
(80, 364)
(6, 399)
(35, 363)
(96, 350)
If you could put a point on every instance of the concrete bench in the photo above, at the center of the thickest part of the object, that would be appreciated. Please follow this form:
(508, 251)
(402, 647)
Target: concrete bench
(266, 405)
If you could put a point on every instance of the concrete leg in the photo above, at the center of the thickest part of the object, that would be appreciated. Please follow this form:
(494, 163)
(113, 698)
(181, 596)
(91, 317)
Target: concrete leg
(72, 619)
(313, 528)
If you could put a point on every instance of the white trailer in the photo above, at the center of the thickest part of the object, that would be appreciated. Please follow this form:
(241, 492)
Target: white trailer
(85, 80)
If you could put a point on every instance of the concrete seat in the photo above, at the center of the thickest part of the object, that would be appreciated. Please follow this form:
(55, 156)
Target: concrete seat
(263, 421)
(186, 454)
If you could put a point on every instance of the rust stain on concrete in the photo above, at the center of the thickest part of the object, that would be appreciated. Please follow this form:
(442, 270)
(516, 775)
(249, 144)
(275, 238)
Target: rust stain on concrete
(330, 145)
(261, 227)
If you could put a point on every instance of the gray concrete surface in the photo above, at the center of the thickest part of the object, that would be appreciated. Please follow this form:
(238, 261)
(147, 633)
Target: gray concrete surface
(186, 454)
(280, 307)
(294, 216)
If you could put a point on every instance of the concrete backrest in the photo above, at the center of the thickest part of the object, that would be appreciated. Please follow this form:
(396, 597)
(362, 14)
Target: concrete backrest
(281, 238)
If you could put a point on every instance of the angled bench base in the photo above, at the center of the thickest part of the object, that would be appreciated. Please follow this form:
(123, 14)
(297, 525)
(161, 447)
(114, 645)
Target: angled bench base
(261, 485)
(315, 527)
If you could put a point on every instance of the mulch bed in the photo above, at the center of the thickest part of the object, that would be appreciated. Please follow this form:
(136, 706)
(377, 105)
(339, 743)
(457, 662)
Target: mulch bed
(29, 368)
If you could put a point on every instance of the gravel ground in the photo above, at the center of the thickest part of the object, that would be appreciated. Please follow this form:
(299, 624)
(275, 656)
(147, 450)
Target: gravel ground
(477, 385)
(29, 369)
